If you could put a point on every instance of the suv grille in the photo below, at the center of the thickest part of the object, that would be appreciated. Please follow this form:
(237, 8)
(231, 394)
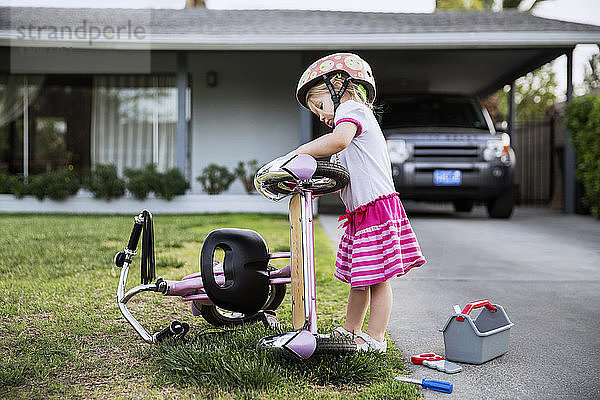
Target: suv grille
(446, 152)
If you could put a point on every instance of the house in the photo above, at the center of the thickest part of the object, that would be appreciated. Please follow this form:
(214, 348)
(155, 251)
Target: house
(186, 88)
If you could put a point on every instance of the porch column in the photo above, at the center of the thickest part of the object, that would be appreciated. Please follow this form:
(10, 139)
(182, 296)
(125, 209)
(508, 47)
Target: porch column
(511, 109)
(182, 125)
(26, 130)
(569, 174)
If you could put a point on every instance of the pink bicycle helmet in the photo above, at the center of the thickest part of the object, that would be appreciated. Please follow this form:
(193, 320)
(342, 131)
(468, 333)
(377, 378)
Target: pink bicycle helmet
(357, 70)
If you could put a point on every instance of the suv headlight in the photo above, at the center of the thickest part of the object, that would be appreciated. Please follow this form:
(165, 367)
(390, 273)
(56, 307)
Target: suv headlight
(398, 151)
(498, 150)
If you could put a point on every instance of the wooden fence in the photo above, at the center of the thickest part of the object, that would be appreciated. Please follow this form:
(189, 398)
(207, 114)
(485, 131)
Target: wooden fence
(533, 141)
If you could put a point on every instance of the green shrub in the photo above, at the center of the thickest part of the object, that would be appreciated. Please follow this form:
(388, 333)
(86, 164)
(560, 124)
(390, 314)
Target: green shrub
(57, 185)
(245, 172)
(5, 184)
(215, 179)
(171, 184)
(583, 120)
(19, 188)
(11, 184)
(105, 182)
(140, 182)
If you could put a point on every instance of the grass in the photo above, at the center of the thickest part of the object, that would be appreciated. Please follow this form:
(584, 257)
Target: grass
(62, 336)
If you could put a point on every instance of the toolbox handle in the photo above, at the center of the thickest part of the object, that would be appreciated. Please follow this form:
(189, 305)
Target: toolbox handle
(476, 304)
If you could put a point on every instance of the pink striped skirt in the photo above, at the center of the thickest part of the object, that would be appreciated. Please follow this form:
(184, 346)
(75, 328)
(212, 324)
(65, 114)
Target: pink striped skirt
(378, 244)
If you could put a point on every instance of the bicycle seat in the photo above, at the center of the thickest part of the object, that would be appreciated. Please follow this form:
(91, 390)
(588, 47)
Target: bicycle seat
(246, 286)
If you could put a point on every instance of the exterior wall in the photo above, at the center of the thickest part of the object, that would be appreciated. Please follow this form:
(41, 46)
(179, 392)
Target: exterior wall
(252, 112)
(40, 60)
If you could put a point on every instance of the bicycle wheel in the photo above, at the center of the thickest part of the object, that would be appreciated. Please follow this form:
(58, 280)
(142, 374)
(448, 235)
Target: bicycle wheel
(335, 345)
(218, 316)
(328, 178)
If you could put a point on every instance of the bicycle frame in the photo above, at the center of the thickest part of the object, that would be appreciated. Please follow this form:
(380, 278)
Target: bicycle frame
(308, 318)
(191, 287)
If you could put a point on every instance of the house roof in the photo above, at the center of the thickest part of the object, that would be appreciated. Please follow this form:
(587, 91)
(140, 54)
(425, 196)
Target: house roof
(453, 51)
(200, 28)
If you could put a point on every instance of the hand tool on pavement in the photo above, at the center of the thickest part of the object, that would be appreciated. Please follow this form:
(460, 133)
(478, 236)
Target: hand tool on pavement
(438, 386)
(436, 361)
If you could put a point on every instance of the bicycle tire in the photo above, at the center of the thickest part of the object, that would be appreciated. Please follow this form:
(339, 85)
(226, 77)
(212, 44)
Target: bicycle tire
(335, 345)
(335, 173)
(218, 317)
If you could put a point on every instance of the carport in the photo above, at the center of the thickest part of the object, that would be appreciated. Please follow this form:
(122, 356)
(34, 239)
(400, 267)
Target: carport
(473, 53)
(461, 52)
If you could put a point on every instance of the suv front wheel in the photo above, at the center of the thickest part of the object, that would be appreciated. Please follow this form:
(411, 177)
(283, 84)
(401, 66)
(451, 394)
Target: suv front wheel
(501, 206)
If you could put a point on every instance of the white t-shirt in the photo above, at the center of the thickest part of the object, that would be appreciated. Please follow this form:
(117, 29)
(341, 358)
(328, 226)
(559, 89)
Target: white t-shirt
(366, 157)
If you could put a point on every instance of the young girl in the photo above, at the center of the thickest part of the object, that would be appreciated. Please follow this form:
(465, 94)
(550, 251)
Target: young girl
(378, 242)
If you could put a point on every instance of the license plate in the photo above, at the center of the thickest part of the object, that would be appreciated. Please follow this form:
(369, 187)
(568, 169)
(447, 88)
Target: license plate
(447, 177)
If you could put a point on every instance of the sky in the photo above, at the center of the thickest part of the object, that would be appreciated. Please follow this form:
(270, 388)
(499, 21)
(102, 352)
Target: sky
(584, 11)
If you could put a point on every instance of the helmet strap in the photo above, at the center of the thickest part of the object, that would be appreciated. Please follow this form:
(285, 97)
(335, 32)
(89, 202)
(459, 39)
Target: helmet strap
(336, 97)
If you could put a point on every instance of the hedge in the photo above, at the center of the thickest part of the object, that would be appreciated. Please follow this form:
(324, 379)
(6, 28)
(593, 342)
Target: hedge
(583, 121)
(103, 183)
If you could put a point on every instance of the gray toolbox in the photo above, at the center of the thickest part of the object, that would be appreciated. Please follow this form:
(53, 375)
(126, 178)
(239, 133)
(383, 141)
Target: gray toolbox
(476, 342)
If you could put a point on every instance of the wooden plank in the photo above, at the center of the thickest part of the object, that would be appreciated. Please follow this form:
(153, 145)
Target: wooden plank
(297, 260)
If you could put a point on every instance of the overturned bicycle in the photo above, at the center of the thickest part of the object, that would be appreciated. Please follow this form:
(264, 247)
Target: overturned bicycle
(243, 287)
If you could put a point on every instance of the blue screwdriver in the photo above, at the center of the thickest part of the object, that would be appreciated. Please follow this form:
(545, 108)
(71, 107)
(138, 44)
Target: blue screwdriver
(438, 386)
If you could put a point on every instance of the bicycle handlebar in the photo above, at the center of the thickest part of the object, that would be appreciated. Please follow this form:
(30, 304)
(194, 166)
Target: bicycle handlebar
(135, 235)
(143, 224)
(175, 328)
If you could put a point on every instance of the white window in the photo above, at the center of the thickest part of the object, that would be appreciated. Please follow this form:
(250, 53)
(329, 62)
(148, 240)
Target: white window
(134, 121)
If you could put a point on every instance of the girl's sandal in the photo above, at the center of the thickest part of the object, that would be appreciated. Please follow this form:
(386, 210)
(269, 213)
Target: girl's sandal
(371, 344)
(341, 332)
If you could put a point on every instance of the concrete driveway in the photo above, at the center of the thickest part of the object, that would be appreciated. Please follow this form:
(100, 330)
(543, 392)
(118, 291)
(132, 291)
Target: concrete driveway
(542, 266)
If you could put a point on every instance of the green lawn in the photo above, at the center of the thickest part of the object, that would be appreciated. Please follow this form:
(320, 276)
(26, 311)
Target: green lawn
(62, 336)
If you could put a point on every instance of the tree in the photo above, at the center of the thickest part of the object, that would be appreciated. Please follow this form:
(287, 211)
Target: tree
(481, 4)
(511, 3)
(517, 3)
(534, 94)
(195, 3)
(464, 4)
(591, 78)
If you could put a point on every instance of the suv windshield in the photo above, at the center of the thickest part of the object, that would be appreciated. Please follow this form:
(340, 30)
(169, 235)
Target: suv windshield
(417, 111)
